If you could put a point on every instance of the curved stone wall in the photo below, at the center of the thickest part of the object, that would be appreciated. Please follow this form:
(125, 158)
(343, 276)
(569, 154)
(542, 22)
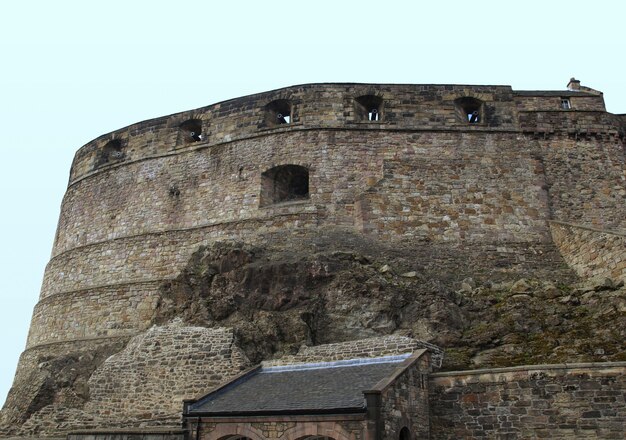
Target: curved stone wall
(419, 173)
(142, 199)
(313, 106)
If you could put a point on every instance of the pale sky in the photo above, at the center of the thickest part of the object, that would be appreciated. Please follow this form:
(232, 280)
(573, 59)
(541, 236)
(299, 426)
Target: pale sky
(73, 70)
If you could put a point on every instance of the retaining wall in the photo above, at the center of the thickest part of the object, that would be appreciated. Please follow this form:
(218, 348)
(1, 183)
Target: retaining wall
(530, 402)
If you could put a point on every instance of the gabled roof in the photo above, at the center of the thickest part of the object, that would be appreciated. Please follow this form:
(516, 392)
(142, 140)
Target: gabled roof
(324, 387)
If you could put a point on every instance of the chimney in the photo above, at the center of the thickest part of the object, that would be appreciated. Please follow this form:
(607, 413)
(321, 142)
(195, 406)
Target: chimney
(573, 84)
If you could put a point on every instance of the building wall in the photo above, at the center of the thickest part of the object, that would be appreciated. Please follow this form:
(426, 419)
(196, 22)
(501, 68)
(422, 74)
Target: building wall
(339, 427)
(404, 404)
(551, 101)
(137, 434)
(545, 401)
(420, 175)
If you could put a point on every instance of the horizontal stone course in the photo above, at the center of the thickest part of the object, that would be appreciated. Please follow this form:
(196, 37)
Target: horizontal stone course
(363, 348)
(313, 106)
(121, 310)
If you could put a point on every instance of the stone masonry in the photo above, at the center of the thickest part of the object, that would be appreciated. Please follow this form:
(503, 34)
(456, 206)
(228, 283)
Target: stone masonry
(592, 253)
(396, 166)
(543, 401)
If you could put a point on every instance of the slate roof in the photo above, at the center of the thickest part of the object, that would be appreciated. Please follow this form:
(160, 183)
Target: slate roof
(306, 388)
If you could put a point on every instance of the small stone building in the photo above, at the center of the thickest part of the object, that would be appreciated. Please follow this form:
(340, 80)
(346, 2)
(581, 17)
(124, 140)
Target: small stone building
(358, 399)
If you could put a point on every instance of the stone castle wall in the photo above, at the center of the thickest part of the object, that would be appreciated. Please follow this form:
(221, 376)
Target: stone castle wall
(405, 402)
(584, 176)
(142, 199)
(421, 173)
(158, 369)
(471, 196)
(544, 401)
(121, 383)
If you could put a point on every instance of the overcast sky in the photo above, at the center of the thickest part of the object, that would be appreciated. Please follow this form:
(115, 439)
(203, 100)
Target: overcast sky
(73, 70)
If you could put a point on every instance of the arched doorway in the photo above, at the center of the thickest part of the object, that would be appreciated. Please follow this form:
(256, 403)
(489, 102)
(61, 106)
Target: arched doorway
(405, 434)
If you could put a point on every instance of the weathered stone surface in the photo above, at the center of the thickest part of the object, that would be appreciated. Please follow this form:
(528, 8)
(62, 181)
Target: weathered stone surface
(159, 224)
(173, 360)
(595, 254)
(143, 383)
(545, 401)
(52, 387)
(362, 348)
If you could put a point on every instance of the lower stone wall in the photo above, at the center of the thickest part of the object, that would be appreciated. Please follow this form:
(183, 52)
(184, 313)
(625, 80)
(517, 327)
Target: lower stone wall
(404, 403)
(148, 380)
(591, 252)
(545, 401)
(337, 427)
(117, 383)
(111, 289)
(158, 256)
(50, 387)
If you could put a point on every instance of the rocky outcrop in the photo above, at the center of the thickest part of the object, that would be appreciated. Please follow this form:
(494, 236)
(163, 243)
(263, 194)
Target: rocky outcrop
(539, 322)
(278, 300)
(236, 304)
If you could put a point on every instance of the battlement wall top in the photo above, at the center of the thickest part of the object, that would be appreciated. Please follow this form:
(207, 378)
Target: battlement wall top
(328, 106)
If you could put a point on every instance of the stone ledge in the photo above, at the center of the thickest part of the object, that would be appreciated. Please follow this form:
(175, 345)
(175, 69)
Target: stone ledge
(573, 366)
(79, 340)
(52, 298)
(34, 438)
(587, 228)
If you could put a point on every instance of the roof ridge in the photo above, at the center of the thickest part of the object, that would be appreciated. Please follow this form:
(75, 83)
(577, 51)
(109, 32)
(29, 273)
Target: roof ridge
(336, 364)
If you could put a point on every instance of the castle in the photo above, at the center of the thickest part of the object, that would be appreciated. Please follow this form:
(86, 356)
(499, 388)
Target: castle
(326, 222)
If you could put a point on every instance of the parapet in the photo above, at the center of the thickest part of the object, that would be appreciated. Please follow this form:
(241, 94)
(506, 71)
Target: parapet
(351, 107)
